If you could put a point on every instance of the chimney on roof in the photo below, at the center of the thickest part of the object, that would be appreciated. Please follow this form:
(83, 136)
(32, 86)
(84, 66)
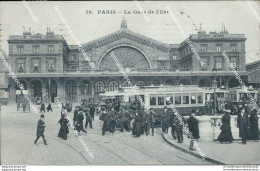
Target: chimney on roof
(49, 32)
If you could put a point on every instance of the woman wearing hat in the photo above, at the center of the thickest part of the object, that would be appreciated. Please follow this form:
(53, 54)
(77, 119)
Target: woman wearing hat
(64, 130)
(225, 134)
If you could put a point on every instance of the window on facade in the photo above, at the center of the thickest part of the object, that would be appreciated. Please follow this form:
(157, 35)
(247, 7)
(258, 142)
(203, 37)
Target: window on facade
(199, 99)
(99, 86)
(20, 50)
(218, 48)
(169, 99)
(72, 87)
(193, 99)
(205, 63)
(160, 100)
(127, 84)
(20, 67)
(113, 86)
(50, 49)
(233, 62)
(35, 49)
(174, 57)
(177, 99)
(152, 101)
(218, 63)
(233, 48)
(155, 83)
(204, 48)
(36, 65)
(86, 88)
(185, 99)
(51, 68)
(140, 84)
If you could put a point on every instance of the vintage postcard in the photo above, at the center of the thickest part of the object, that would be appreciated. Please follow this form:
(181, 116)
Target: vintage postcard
(130, 83)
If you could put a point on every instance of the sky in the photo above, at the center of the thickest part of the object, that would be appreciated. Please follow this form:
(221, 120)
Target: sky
(237, 16)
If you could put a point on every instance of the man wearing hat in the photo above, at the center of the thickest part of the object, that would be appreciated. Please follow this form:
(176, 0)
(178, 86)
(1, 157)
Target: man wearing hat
(165, 120)
(40, 130)
(243, 124)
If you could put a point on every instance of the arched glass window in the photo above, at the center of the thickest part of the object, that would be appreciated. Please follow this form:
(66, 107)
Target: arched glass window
(155, 83)
(127, 84)
(99, 86)
(85, 87)
(72, 87)
(140, 83)
(169, 82)
(113, 86)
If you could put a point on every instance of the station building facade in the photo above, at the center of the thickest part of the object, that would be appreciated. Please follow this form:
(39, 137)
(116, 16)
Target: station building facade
(48, 67)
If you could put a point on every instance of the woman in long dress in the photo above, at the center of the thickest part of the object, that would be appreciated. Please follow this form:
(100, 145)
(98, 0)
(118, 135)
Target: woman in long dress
(64, 130)
(225, 134)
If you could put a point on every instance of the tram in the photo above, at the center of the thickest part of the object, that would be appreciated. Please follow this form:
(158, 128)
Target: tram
(239, 95)
(184, 98)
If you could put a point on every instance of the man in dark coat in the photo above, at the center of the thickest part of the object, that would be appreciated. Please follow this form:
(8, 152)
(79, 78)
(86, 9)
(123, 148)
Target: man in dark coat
(179, 121)
(112, 118)
(42, 109)
(106, 121)
(173, 130)
(165, 120)
(122, 119)
(225, 134)
(76, 113)
(128, 118)
(193, 129)
(40, 130)
(49, 108)
(92, 111)
(79, 123)
(243, 124)
(151, 120)
(254, 129)
(143, 116)
(88, 119)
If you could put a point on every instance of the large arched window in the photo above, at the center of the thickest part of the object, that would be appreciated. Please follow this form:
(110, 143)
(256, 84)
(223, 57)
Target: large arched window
(99, 86)
(127, 84)
(86, 87)
(113, 86)
(127, 57)
(140, 83)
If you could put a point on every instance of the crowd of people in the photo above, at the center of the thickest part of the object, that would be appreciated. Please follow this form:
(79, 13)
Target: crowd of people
(139, 121)
(248, 125)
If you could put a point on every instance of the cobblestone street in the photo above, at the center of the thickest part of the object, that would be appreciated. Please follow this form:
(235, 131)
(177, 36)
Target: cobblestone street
(18, 132)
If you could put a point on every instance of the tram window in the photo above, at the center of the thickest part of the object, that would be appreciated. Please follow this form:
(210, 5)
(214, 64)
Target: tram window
(152, 101)
(177, 99)
(185, 99)
(199, 98)
(193, 99)
(169, 99)
(160, 100)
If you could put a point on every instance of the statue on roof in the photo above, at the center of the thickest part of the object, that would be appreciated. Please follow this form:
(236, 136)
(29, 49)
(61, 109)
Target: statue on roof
(123, 23)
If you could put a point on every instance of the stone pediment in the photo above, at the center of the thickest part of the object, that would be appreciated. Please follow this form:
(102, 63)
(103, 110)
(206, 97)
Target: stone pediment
(125, 33)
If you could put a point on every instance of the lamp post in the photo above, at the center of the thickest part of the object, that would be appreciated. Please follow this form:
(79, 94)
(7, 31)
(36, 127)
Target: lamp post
(49, 92)
(214, 70)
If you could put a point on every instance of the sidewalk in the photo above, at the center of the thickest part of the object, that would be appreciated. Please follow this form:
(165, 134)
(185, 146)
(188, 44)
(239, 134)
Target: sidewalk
(234, 153)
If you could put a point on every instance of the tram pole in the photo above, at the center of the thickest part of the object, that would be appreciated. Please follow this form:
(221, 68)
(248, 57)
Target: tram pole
(215, 86)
